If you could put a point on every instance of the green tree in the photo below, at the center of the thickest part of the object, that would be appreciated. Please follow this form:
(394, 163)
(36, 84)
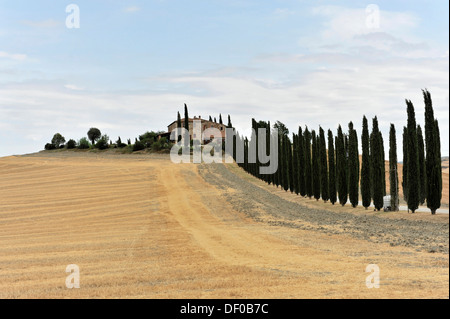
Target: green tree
(58, 140)
(295, 162)
(83, 143)
(94, 134)
(286, 162)
(186, 126)
(422, 166)
(179, 125)
(301, 162)
(341, 167)
(282, 129)
(220, 119)
(393, 173)
(308, 164)
(405, 164)
(433, 156)
(315, 166)
(413, 160)
(377, 166)
(71, 144)
(353, 166)
(229, 122)
(365, 166)
(291, 166)
(324, 187)
(331, 168)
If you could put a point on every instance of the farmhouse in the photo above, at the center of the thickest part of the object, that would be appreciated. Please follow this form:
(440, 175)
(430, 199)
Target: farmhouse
(205, 124)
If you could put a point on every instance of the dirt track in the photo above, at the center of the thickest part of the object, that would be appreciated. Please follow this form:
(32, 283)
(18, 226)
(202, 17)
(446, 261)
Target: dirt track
(142, 227)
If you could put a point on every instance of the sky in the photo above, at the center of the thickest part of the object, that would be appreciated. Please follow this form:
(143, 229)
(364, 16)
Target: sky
(130, 66)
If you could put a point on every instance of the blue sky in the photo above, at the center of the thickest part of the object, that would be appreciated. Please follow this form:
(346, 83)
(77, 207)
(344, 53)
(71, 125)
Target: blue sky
(133, 64)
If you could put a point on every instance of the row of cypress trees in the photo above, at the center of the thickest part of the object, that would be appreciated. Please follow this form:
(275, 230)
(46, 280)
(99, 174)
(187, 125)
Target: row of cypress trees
(307, 167)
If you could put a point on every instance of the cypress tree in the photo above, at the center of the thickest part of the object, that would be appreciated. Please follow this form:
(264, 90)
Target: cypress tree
(405, 164)
(422, 167)
(413, 160)
(286, 162)
(179, 125)
(220, 119)
(280, 161)
(229, 122)
(186, 126)
(365, 166)
(315, 166)
(291, 165)
(342, 167)
(308, 164)
(301, 163)
(210, 118)
(331, 168)
(353, 166)
(377, 166)
(433, 156)
(393, 173)
(324, 188)
(295, 162)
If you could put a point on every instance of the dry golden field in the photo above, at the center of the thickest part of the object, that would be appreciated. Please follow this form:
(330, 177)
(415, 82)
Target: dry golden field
(143, 227)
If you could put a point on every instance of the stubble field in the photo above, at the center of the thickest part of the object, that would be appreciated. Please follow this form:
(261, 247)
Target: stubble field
(139, 226)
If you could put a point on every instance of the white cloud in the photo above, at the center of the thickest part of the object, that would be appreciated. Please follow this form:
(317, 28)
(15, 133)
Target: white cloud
(50, 23)
(73, 87)
(13, 56)
(132, 9)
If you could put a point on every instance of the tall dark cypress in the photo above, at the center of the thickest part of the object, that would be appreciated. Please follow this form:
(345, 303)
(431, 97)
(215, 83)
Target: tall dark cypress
(365, 166)
(331, 168)
(186, 126)
(308, 164)
(295, 162)
(342, 167)
(422, 167)
(324, 187)
(286, 162)
(179, 125)
(377, 166)
(393, 172)
(315, 166)
(433, 156)
(353, 166)
(229, 122)
(301, 163)
(278, 177)
(413, 160)
(220, 119)
(405, 164)
(290, 165)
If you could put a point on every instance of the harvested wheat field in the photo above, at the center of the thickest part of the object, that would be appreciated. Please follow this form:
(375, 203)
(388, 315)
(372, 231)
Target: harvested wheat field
(139, 226)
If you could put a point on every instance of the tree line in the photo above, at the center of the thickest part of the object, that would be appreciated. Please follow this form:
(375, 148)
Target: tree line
(327, 166)
(96, 140)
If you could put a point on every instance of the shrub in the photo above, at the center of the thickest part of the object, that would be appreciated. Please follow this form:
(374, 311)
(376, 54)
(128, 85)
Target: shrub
(120, 144)
(71, 144)
(102, 143)
(83, 144)
(50, 146)
(138, 146)
(157, 146)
